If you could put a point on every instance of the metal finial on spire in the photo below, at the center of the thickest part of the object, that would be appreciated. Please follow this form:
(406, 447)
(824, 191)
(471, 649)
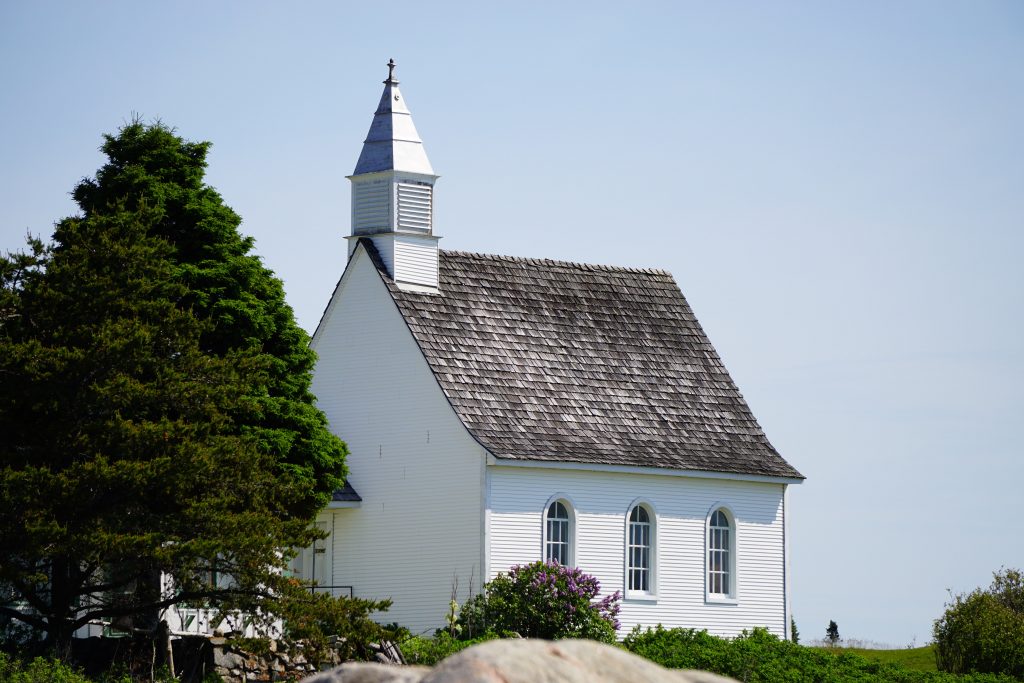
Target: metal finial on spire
(391, 71)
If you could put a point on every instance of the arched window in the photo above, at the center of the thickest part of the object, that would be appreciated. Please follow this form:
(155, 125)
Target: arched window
(639, 550)
(721, 555)
(557, 530)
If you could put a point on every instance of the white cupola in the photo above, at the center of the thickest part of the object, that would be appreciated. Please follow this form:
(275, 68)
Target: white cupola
(393, 194)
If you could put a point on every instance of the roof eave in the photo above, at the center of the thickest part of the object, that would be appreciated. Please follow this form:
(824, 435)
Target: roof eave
(629, 469)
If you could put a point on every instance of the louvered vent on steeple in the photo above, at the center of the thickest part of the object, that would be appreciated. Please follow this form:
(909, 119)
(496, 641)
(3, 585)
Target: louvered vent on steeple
(371, 207)
(415, 207)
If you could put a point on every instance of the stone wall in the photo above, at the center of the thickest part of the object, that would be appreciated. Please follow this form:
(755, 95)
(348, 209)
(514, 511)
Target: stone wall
(235, 664)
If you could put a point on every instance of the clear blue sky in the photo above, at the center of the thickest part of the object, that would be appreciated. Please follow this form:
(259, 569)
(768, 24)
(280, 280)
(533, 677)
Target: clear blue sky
(838, 187)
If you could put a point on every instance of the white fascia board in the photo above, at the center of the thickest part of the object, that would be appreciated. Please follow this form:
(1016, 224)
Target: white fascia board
(415, 175)
(395, 173)
(424, 238)
(336, 505)
(411, 287)
(627, 469)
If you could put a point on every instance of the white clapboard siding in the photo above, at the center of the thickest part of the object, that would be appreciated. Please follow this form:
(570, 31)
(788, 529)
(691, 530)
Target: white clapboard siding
(417, 469)
(517, 497)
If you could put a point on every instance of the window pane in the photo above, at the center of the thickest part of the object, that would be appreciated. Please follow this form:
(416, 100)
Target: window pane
(556, 527)
(719, 559)
(638, 553)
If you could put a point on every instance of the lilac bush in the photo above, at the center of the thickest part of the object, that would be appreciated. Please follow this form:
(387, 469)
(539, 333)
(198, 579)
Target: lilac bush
(543, 600)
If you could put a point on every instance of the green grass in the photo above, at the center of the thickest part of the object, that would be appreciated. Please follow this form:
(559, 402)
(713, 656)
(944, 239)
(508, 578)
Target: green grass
(918, 658)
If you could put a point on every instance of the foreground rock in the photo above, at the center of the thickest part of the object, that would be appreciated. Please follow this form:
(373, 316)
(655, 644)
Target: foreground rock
(523, 661)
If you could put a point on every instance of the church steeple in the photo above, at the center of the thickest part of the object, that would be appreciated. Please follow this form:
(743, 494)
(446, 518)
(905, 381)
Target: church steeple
(393, 143)
(393, 193)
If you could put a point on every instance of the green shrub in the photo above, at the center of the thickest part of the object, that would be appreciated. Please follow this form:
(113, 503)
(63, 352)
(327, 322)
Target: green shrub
(38, 670)
(430, 651)
(759, 657)
(542, 600)
(983, 631)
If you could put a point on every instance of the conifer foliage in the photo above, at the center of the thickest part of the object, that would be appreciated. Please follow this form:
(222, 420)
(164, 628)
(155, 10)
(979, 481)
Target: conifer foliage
(832, 633)
(154, 405)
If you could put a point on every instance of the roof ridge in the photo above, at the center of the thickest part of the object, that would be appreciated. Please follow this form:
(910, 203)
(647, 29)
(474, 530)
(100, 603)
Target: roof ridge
(578, 265)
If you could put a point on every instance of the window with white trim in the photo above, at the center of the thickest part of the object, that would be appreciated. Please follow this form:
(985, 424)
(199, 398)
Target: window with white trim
(721, 555)
(557, 530)
(639, 550)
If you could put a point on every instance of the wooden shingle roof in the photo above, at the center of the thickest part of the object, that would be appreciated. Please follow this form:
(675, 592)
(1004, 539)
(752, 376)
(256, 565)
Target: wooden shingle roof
(555, 361)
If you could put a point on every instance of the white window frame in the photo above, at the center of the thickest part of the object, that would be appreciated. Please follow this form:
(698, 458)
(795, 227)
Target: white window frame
(652, 557)
(728, 597)
(570, 542)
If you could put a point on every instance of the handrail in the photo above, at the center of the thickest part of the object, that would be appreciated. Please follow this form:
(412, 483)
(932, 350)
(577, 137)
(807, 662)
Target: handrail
(333, 590)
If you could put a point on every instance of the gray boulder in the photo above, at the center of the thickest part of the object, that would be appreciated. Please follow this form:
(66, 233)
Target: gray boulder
(524, 661)
(370, 672)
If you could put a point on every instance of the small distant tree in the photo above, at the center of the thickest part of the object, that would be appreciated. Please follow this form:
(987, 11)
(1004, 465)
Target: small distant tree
(794, 634)
(832, 633)
(983, 631)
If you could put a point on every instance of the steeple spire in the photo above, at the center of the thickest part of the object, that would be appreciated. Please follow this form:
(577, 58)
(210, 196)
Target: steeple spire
(393, 194)
(393, 143)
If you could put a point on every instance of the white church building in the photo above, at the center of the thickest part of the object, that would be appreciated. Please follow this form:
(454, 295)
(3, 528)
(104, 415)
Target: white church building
(501, 410)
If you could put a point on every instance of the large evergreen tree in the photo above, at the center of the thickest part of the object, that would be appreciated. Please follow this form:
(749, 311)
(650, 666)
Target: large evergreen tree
(154, 404)
(228, 286)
